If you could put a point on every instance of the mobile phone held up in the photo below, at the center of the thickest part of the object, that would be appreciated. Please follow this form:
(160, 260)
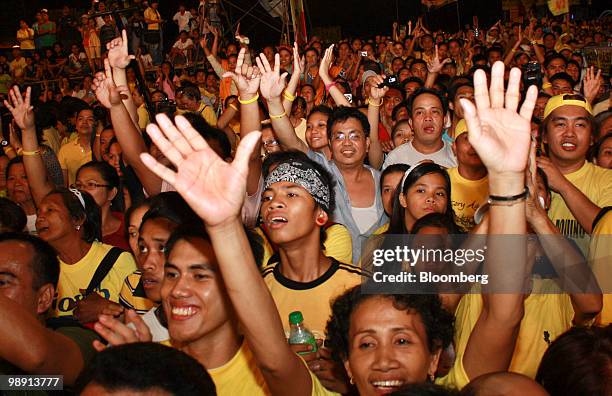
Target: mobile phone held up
(390, 81)
(532, 75)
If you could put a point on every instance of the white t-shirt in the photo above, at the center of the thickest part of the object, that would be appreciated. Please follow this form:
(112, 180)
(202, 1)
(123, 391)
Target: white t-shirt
(407, 154)
(31, 224)
(158, 332)
(183, 45)
(183, 20)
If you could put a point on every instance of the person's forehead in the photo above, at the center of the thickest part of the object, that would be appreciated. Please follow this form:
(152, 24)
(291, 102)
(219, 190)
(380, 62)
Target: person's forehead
(348, 125)
(426, 99)
(15, 259)
(395, 93)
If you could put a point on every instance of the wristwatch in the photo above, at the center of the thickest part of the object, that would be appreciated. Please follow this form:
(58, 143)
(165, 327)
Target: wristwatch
(4, 143)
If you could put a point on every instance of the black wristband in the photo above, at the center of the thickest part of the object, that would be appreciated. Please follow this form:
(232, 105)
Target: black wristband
(510, 198)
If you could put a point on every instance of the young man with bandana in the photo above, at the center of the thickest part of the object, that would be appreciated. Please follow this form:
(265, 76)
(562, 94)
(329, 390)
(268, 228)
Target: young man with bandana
(359, 204)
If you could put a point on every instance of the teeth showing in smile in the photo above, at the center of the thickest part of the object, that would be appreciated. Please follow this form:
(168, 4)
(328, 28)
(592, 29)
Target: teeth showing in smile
(388, 384)
(568, 145)
(278, 219)
(187, 311)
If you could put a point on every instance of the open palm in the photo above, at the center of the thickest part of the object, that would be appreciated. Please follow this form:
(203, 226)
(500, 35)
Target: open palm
(500, 135)
(245, 77)
(214, 189)
(272, 82)
(22, 111)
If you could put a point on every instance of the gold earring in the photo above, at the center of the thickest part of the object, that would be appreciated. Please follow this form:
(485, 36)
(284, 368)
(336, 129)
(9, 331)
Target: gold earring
(351, 381)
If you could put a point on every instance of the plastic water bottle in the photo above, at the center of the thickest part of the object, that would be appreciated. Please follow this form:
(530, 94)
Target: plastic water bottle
(299, 334)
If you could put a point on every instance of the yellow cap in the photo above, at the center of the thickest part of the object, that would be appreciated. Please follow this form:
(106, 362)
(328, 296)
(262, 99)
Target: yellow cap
(460, 128)
(566, 100)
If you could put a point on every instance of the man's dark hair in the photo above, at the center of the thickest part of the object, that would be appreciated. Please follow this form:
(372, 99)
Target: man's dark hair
(12, 217)
(147, 367)
(578, 363)
(45, 265)
(401, 105)
(343, 113)
(191, 91)
(422, 91)
(562, 76)
(210, 133)
(452, 90)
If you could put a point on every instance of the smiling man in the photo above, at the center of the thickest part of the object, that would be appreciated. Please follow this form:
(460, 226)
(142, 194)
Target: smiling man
(427, 109)
(580, 188)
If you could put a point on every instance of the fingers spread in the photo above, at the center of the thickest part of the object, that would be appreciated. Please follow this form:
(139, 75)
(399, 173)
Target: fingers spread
(176, 138)
(192, 136)
(160, 170)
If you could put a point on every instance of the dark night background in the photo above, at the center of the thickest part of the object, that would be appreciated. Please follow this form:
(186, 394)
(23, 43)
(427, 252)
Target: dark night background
(355, 17)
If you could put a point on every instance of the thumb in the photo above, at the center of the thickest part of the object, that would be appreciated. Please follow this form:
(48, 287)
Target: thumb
(244, 151)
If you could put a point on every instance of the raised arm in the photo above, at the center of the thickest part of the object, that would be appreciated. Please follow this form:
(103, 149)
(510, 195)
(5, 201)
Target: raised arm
(215, 190)
(271, 86)
(34, 166)
(119, 59)
(510, 55)
(127, 133)
(434, 67)
(298, 69)
(376, 156)
(324, 66)
(247, 80)
(501, 136)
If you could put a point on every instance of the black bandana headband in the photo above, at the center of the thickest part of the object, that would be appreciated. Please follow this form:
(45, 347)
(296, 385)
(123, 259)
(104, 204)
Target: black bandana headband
(302, 174)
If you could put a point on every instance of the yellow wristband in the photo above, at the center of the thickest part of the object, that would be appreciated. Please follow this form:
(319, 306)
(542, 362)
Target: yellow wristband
(233, 106)
(288, 96)
(546, 85)
(19, 151)
(7, 148)
(374, 104)
(30, 153)
(276, 117)
(249, 101)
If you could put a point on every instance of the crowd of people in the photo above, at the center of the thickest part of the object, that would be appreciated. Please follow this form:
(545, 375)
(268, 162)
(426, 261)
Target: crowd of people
(163, 212)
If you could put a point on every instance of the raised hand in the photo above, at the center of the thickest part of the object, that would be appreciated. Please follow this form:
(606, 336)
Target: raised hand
(118, 333)
(21, 109)
(375, 92)
(299, 63)
(118, 56)
(246, 78)
(272, 82)
(500, 135)
(214, 189)
(434, 65)
(326, 62)
(591, 84)
(102, 85)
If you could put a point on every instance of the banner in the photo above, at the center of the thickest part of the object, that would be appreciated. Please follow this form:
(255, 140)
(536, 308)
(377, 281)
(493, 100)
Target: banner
(299, 21)
(558, 7)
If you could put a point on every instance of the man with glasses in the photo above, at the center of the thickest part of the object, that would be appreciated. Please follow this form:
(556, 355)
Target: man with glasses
(581, 189)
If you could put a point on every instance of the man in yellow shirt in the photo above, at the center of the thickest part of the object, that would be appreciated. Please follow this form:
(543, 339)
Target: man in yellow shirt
(469, 182)
(153, 36)
(580, 188)
(189, 99)
(75, 153)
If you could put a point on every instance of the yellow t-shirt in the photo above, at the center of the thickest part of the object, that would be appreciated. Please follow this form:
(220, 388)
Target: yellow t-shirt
(456, 377)
(338, 244)
(547, 316)
(209, 114)
(314, 298)
(239, 376)
(76, 277)
(25, 38)
(71, 157)
(132, 295)
(600, 261)
(466, 197)
(152, 14)
(52, 139)
(143, 117)
(594, 182)
(382, 229)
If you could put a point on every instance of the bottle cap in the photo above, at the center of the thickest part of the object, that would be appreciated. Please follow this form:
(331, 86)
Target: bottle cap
(296, 317)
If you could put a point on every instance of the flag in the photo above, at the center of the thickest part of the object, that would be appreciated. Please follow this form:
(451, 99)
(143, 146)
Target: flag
(299, 21)
(558, 7)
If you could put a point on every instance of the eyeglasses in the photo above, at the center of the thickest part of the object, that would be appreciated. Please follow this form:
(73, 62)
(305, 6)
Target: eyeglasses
(270, 143)
(90, 185)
